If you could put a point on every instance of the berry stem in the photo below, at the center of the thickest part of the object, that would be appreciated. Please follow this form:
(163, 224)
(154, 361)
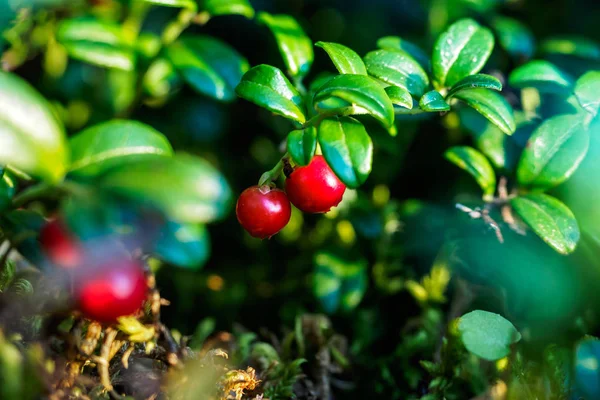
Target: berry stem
(272, 174)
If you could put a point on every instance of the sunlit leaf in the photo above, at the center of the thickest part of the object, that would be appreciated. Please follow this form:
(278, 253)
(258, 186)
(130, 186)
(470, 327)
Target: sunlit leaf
(475, 163)
(587, 91)
(345, 59)
(487, 335)
(397, 43)
(473, 82)
(433, 101)
(301, 144)
(542, 75)
(397, 68)
(492, 106)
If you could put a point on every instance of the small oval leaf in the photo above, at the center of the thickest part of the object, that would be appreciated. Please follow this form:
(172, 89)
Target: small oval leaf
(190, 4)
(550, 219)
(553, 152)
(492, 106)
(345, 60)
(587, 91)
(475, 163)
(397, 68)
(399, 96)
(473, 82)
(109, 144)
(514, 37)
(295, 47)
(184, 187)
(572, 46)
(97, 42)
(542, 75)
(361, 91)
(397, 43)
(460, 51)
(267, 86)
(227, 7)
(302, 144)
(487, 335)
(32, 138)
(348, 149)
(433, 101)
(208, 65)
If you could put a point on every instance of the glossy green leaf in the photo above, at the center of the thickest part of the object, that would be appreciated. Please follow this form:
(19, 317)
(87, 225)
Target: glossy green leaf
(32, 138)
(475, 163)
(227, 7)
(473, 82)
(542, 75)
(302, 144)
(114, 143)
(433, 101)
(7, 191)
(339, 284)
(550, 219)
(514, 37)
(487, 335)
(348, 149)
(397, 68)
(571, 46)
(185, 187)
(295, 47)
(492, 106)
(587, 91)
(208, 65)
(399, 96)
(345, 59)
(397, 43)
(268, 87)
(553, 152)
(363, 92)
(587, 374)
(460, 51)
(191, 4)
(183, 245)
(97, 42)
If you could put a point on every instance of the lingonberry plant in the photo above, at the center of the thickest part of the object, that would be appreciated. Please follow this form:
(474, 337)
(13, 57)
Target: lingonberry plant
(430, 202)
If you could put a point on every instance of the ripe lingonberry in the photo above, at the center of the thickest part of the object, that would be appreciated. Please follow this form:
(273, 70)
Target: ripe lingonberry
(263, 211)
(107, 292)
(60, 246)
(314, 188)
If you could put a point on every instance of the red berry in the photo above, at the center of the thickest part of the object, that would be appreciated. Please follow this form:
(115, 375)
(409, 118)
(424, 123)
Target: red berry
(107, 292)
(314, 188)
(60, 246)
(263, 211)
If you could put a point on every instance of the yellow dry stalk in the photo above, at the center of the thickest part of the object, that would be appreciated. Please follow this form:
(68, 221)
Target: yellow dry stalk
(136, 330)
(236, 381)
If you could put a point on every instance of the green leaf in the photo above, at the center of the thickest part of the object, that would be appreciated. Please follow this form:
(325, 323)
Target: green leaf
(348, 149)
(475, 163)
(542, 75)
(191, 4)
(433, 101)
(514, 37)
(97, 42)
(487, 335)
(475, 81)
(7, 191)
(208, 65)
(22, 227)
(302, 144)
(397, 43)
(339, 283)
(32, 137)
(399, 96)
(361, 91)
(184, 187)
(115, 143)
(345, 60)
(228, 7)
(460, 51)
(268, 87)
(397, 68)
(587, 91)
(492, 106)
(553, 152)
(571, 46)
(587, 359)
(550, 219)
(184, 245)
(295, 47)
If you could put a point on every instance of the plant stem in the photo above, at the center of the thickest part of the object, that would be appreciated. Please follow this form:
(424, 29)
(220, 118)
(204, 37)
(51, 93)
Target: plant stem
(272, 174)
(32, 193)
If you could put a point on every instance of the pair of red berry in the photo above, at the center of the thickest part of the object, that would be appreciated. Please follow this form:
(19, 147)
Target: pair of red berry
(102, 292)
(263, 211)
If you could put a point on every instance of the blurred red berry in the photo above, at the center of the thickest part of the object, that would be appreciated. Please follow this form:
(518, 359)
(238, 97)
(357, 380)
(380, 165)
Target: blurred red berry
(60, 246)
(263, 211)
(110, 291)
(314, 188)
